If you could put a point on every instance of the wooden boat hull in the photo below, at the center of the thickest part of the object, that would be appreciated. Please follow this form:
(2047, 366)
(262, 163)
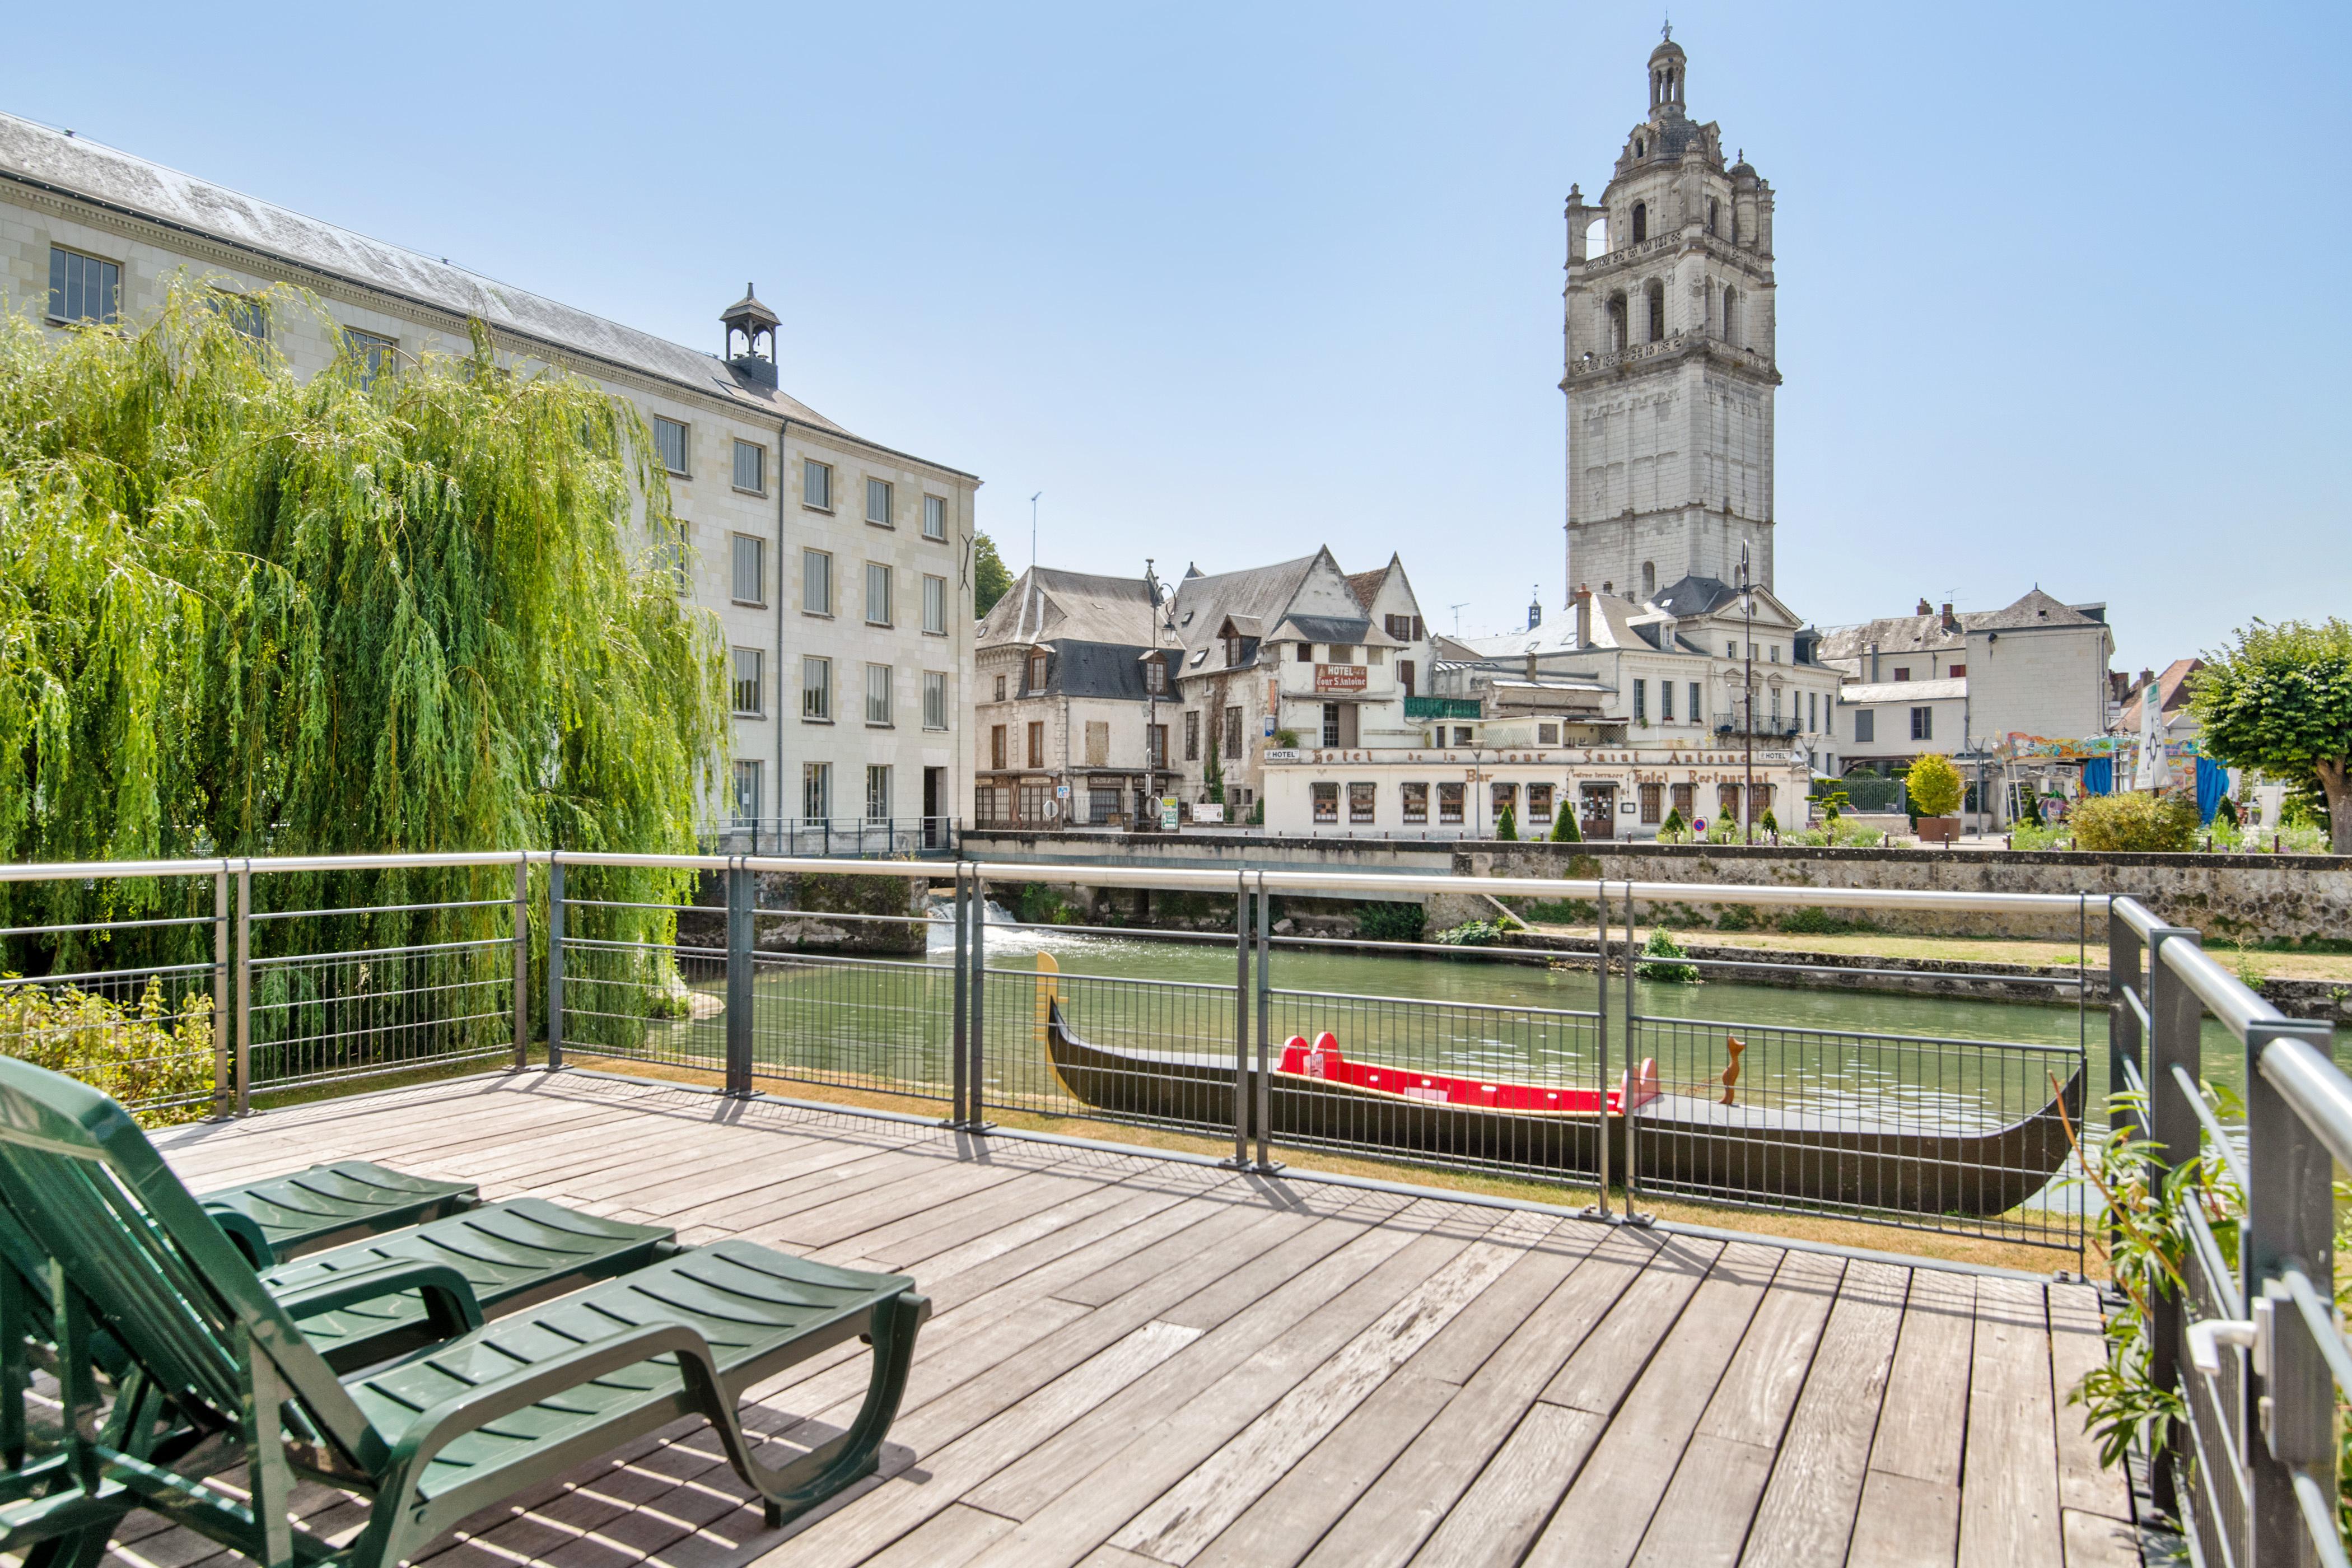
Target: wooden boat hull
(1750, 1154)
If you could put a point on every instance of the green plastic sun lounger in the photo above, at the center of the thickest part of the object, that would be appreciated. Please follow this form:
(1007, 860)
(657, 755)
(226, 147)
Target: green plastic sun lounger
(218, 1371)
(283, 1218)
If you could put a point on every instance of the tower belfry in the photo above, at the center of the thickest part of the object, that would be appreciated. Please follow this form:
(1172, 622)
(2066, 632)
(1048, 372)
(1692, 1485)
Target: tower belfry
(1670, 366)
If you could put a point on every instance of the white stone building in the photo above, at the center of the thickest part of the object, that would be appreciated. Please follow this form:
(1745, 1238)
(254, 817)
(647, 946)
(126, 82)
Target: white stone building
(837, 568)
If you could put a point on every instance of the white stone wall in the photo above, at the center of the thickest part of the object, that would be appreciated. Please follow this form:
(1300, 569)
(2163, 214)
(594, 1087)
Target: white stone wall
(704, 499)
(2050, 682)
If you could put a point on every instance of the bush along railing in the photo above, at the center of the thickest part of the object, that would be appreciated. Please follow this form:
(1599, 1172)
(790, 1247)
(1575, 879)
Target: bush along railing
(2228, 1362)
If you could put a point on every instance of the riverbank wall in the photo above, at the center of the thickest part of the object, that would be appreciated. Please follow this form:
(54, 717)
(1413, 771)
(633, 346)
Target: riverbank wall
(2293, 898)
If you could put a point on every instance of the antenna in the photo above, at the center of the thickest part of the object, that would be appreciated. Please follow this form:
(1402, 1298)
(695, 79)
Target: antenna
(1457, 617)
(1033, 530)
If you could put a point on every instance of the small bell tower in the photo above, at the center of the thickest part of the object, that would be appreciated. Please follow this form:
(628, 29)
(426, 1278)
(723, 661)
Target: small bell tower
(756, 325)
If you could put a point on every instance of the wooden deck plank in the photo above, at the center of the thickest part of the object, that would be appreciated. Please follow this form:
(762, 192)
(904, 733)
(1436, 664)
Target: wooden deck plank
(1601, 1518)
(1605, 1365)
(1924, 1420)
(953, 1537)
(2095, 1540)
(1687, 1527)
(2078, 1345)
(2008, 1488)
(1905, 1523)
(1514, 1494)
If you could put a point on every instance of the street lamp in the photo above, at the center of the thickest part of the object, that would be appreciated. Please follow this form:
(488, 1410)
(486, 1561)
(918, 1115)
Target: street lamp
(1748, 693)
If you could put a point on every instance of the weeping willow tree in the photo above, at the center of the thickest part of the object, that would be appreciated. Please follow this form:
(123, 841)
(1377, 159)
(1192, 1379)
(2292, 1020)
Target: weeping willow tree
(245, 613)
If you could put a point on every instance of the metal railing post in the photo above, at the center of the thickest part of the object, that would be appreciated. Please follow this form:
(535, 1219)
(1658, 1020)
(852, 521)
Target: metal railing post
(2288, 1420)
(975, 1090)
(738, 978)
(1600, 1043)
(244, 1074)
(554, 959)
(1264, 1076)
(960, 1035)
(2173, 1135)
(522, 963)
(224, 1065)
(1241, 1020)
(1625, 1106)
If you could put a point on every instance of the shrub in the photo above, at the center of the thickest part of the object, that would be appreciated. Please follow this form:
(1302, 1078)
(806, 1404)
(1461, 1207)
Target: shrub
(1662, 944)
(1814, 920)
(1560, 912)
(2031, 816)
(1674, 826)
(1392, 922)
(1935, 786)
(2136, 822)
(138, 1052)
(1563, 825)
(2227, 812)
(1286, 739)
(1473, 933)
(1734, 917)
(1768, 822)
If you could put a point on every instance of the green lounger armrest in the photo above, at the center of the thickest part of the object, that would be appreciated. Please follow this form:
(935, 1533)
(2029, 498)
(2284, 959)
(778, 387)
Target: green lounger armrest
(216, 1372)
(283, 1218)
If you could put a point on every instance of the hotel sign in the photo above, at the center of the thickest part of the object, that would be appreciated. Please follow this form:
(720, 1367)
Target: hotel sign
(1339, 678)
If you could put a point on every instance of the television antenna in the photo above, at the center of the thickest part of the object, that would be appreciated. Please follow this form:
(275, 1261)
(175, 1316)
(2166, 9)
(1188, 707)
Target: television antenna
(1033, 530)
(1457, 617)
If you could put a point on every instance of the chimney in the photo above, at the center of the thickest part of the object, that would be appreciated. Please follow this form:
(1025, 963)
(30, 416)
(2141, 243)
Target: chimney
(1531, 664)
(1583, 600)
(1951, 621)
(1873, 652)
(2147, 676)
(1925, 608)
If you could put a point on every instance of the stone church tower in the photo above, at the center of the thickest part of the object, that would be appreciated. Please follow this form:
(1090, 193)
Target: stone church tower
(1670, 364)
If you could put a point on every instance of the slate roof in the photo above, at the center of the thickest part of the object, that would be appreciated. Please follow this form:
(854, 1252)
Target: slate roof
(1076, 668)
(1248, 598)
(1043, 604)
(1926, 634)
(1693, 596)
(34, 154)
(1330, 628)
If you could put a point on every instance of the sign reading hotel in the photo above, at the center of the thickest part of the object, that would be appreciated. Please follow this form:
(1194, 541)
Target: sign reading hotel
(1339, 678)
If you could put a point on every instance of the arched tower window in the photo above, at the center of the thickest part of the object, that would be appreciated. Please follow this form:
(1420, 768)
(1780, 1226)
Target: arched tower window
(1710, 214)
(1641, 222)
(1617, 323)
(1656, 293)
(1649, 580)
(1730, 315)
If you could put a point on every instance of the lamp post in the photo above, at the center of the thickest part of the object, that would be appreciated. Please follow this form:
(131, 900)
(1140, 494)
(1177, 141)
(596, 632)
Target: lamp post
(1747, 694)
(1152, 761)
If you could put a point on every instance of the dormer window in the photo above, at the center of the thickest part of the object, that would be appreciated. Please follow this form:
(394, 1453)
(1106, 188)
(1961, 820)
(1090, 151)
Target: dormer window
(1037, 681)
(1155, 676)
(1233, 651)
(1637, 153)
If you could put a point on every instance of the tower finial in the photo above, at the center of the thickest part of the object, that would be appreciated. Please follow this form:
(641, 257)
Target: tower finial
(1667, 29)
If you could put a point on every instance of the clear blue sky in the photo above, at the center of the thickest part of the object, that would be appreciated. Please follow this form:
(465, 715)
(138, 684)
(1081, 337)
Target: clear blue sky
(2063, 293)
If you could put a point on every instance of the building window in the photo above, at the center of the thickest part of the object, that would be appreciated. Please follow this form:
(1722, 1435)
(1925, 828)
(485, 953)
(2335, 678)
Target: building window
(1037, 681)
(1343, 653)
(1657, 297)
(1232, 734)
(1759, 801)
(817, 687)
(1547, 734)
(1695, 715)
(1774, 652)
(1776, 708)
(1414, 800)
(1232, 651)
(1330, 723)
(1306, 653)
(1865, 724)
(1812, 713)
(1641, 211)
(1327, 802)
(747, 793)
(877, 594)
(1711, 214)
(83, 288)
(243, 312)
(996, 747)
(1404, 676)
(1462, 735)
(1653, 804)
(877, 502)
(1191, 735)
(1400, 627)
(1361, 802)
(669, 440)
(747, 696)
(935, 605)
(816, 485)
(877, 694)
(1155, 676)
(1000, 686)
(1958, 669)
(1902, 672)
(1684, 799)
(679, 566)
(1449, 803)
(373, 352)
(878, 790)
(1155, 746)
(751, 570)
(1731, 313)
(1666, 702)
(751, 468)
(1502, 797)
(1035, 803)
(1640, 702)
(817, 790)
(1727, 802)
(934, 517)
(935, 699)
(817, 583)
(1538, 802)
(1037, 744)
(1922, 724)
(1617, 329)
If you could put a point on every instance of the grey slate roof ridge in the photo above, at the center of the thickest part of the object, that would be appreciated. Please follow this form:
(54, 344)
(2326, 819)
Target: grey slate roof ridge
(35, 155)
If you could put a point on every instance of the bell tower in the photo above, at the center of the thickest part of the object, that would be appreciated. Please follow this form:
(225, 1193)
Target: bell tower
(1670, 365)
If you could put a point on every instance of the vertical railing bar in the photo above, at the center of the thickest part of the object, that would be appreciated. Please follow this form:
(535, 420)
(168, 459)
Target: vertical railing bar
(1264, 1076)
(224, 1069)
(1600, 1041)
(522, 962)
(244, 988)
(1241, 1019)
(959, 1035)
(554, 959)
(2173, 1135)
(1625, 1105)
(738, 977)
(976, 1082)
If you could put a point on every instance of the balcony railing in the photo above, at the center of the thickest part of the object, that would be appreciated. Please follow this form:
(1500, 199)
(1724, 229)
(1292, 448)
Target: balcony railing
(1442, 708)
(824, 836)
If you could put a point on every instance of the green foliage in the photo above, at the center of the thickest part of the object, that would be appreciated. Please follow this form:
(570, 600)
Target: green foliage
(1213, 772)
(1038, 904)
(1258, 813)
(1392, 922)
(2032, 814)
(249, 613)
(1734, 917)
(1934, 785)
(1563, 824)
(1813, 921)
(990, 580)
(1663, 945)
(1286, 739)
(151, 1056)
(1473, 933)
(2280, 700)
(2027, 835)
(1506, 826)
(2135, 822)
(1558, 911)
(2225, 814)
(1674, 827)
(1768, 822)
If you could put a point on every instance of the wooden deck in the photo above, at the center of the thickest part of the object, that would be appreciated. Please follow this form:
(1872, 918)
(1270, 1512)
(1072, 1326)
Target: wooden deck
(1140, 1361)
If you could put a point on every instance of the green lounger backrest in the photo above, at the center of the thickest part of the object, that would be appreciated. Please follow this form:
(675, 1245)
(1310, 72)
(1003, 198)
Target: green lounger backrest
(161, 1277)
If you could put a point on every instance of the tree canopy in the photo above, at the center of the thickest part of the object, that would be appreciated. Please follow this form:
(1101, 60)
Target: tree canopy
(1934, 785)
(991, 580)
(246, 613)
(2280, 700)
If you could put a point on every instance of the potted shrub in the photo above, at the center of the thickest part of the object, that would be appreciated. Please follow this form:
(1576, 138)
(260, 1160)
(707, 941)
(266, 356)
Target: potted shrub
(1937, 789)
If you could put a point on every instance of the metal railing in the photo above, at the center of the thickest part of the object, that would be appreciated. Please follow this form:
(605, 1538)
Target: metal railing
(795, 837)
(2255, 1476)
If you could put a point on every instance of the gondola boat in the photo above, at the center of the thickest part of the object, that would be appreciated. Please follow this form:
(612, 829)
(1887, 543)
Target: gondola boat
(1754, 1153)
